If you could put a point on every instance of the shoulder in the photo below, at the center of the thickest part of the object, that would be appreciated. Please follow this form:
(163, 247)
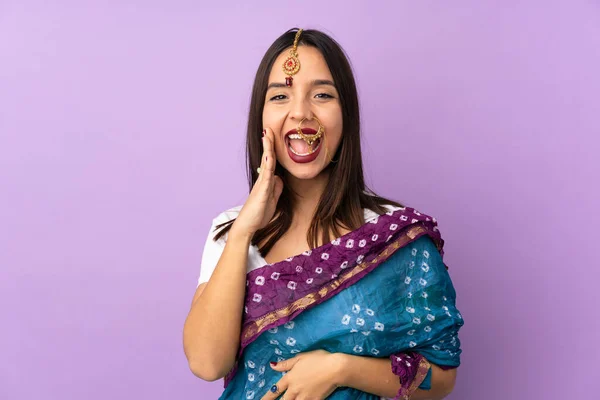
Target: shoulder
(225, 216)
(370, 214)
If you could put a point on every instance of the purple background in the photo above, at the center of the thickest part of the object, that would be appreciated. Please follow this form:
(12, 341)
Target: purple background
(121, 123)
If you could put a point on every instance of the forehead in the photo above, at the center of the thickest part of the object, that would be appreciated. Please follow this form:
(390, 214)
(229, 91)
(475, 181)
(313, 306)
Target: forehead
(312, 66)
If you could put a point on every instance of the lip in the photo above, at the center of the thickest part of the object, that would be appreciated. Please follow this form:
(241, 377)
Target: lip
(302, 159)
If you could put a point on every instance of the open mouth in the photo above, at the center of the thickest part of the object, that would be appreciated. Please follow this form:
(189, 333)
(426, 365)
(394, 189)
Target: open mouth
(303, 148)
(297, 145)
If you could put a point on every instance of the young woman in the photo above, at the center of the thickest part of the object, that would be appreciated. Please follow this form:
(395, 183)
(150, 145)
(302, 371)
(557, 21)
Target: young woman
(316, 287)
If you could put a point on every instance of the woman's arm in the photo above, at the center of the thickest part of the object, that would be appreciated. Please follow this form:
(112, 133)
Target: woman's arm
(211, 333)
(374, 375)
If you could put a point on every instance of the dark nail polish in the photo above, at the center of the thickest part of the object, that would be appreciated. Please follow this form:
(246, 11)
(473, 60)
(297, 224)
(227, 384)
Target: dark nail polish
(273, 363)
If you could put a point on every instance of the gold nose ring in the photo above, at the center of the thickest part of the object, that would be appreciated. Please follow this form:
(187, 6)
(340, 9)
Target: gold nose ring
(310, 139)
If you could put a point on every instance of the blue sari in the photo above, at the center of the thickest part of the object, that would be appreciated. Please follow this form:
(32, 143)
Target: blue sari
(394, 299)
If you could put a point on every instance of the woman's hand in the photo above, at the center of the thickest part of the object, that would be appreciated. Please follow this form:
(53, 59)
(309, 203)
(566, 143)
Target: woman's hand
(259, 208)
(311, 376)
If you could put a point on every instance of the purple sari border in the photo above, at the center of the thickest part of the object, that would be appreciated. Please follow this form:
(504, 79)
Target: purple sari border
(412, 371)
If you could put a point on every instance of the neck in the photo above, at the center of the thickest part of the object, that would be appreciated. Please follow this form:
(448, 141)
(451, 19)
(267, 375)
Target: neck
(308, 193)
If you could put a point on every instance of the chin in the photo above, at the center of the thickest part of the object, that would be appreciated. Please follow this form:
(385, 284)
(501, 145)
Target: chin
(304, 173)
(305, 176)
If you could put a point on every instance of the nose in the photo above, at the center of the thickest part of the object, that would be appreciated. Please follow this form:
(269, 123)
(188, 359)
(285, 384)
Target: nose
(300, 109)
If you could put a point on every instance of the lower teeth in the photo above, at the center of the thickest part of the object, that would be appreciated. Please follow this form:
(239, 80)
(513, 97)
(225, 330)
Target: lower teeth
(303, 155)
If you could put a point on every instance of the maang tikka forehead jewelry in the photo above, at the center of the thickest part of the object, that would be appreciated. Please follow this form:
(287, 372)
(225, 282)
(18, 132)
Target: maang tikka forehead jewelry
(291, 65)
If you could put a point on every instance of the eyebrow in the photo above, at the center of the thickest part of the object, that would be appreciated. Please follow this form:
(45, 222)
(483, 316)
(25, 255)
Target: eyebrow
(316, 82)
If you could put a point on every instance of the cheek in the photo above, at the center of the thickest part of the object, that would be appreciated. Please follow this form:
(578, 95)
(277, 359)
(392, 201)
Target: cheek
(280, 149)
(273, 115)
(336, 120)
(335, 132)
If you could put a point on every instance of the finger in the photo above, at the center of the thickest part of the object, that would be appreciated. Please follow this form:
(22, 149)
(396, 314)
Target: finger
(269, 164)
(280, 387)
(270, 150)
(263, 164)
(289, 396)
(285, 365)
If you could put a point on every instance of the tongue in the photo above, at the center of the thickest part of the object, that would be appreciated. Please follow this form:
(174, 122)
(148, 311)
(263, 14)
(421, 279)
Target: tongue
(300, 146)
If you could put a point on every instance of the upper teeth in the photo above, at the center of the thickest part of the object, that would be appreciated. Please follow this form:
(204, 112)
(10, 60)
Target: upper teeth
(295, 136)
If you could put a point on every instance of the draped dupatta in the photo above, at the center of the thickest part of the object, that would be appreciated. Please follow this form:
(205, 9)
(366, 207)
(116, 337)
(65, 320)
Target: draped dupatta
(278, 293)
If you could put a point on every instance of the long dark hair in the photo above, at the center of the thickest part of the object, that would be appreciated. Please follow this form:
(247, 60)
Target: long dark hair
(346, 194)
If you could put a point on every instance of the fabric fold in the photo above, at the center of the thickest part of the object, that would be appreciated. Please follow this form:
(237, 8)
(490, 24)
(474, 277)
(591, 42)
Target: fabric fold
(412, 369)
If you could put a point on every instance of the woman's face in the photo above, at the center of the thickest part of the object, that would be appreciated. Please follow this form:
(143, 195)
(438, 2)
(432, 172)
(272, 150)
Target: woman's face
(312, 94)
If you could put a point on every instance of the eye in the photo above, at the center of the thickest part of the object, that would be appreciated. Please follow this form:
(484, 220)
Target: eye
(323, 96)
(278, 97)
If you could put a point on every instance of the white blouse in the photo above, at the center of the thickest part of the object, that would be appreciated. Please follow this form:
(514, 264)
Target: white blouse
(213, 250)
